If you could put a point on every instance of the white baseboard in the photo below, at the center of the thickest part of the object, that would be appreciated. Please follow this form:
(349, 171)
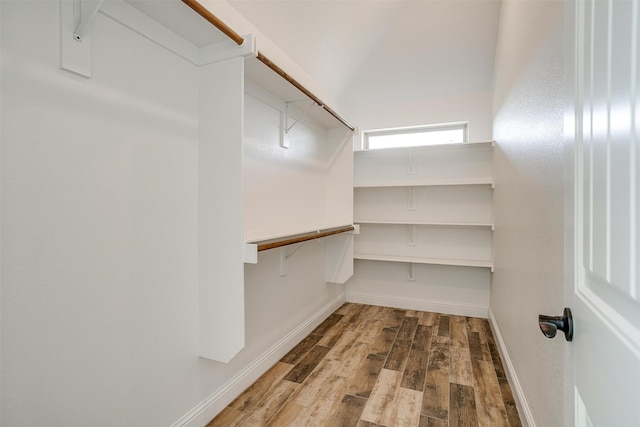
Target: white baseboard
(214, 404)
(518, 395)
(447, 307)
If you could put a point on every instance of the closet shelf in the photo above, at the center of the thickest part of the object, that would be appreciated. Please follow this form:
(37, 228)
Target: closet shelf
(482, 145)
(427, 223)
(423, 260)
(264, 245)
(425, 183)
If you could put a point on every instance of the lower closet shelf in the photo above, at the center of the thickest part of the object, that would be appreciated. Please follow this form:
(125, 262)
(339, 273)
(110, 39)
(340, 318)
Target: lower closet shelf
(423, 260)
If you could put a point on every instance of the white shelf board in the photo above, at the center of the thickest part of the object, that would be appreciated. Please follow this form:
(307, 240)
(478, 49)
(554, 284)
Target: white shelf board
(435, 147)
(423, 260)
(425, 183)
(427, 223)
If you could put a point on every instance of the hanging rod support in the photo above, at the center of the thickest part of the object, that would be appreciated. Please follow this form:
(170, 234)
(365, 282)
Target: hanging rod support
(83, 13)
(287, 128)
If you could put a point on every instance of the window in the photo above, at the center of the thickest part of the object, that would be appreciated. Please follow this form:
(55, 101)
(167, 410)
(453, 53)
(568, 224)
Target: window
(450, 133)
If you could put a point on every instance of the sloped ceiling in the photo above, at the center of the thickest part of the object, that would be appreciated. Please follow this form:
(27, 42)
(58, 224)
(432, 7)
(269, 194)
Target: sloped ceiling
(379, 51)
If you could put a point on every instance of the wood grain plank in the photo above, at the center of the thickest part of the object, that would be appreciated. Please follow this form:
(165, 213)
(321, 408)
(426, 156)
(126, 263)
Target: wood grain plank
(321, 378)
(333, 334)
(393, 317)
(461, 370)
(384, 341)
(228, 417)
(348, 412)
(406, 409)
(407, 328)
(272, 402)
(368, 332)
(380, 402)
(319, 410)
(475, 348)
(427, 318)
(495, 358)
(303, 347)
(509, 403)
(347, 308)
(416, 368)
(443, 325)
(435, 400)
(362, 423)
(367, 375)
(307, 364)
(351, 360)
(458, 332)
(462, 406)
(286, 416)
(432, 422)
(253, 397)
(398, 355)
(489, 403)
(327, 324)
(415, 371)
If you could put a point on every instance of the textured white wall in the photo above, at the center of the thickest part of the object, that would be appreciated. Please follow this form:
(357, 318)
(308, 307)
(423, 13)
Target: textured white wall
(528, 198)
(473, 107)
(99, 236)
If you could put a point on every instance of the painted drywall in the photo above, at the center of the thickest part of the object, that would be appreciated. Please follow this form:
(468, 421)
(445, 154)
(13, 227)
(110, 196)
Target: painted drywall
(474, 108)
(528, 199)
(100, 235)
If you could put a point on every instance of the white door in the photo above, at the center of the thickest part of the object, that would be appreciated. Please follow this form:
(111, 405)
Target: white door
(605, 354)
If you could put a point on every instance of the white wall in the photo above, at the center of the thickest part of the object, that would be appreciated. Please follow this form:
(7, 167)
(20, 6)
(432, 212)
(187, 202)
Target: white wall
(528, 200)
(99, 239)
(474, 108)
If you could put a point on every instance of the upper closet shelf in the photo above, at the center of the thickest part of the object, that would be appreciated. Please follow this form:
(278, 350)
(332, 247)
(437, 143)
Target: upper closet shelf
(482, 145)
(428, 223)
(424, 260)
(255, 69)
(408, 182)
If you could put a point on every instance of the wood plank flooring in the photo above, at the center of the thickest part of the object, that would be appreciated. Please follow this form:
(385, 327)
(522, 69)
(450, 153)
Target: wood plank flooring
(370, 366)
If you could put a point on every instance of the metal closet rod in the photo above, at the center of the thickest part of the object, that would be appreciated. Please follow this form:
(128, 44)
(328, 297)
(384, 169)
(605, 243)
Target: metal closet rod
(237, 38)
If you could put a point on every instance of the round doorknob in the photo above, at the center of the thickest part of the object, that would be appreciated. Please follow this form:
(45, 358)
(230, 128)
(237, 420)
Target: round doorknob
(549, 325)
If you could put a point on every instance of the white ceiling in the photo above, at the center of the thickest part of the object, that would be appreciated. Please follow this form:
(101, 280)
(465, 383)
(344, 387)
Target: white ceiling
(379, 51)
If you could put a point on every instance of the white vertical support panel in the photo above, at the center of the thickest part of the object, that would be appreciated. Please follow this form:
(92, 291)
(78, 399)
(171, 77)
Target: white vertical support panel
(339, 205)
(339, 257)
(220, 236)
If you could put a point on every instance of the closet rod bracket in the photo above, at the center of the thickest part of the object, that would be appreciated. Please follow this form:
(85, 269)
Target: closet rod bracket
(83, 13)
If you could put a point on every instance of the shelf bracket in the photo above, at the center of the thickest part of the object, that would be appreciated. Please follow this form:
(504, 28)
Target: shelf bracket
(412, 272)
(284, 257)
(412, 235)
(83, 13)
(286, 127)
(411, 199)
(411, 164)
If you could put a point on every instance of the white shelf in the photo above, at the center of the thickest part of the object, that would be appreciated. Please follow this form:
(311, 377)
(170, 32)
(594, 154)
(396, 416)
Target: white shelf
(423, 260)
(437, 147)
(425, 183)
(427, 223)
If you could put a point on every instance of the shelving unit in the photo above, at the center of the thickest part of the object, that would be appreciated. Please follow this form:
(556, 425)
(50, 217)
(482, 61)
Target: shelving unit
(424, 206)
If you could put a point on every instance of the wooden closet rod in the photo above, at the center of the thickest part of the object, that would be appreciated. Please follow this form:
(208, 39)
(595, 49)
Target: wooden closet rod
(290, 240)
(237, 38)
(204, 12)
(266, 61)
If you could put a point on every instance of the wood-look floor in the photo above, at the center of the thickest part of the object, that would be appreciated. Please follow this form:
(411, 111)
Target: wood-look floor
(369, 366)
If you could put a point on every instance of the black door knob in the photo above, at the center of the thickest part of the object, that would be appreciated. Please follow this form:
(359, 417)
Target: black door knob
(549, 325)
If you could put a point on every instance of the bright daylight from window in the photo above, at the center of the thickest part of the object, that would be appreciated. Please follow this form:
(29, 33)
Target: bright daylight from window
(413, 137)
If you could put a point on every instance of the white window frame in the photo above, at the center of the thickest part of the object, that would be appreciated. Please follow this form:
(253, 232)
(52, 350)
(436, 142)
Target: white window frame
(464, 126)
